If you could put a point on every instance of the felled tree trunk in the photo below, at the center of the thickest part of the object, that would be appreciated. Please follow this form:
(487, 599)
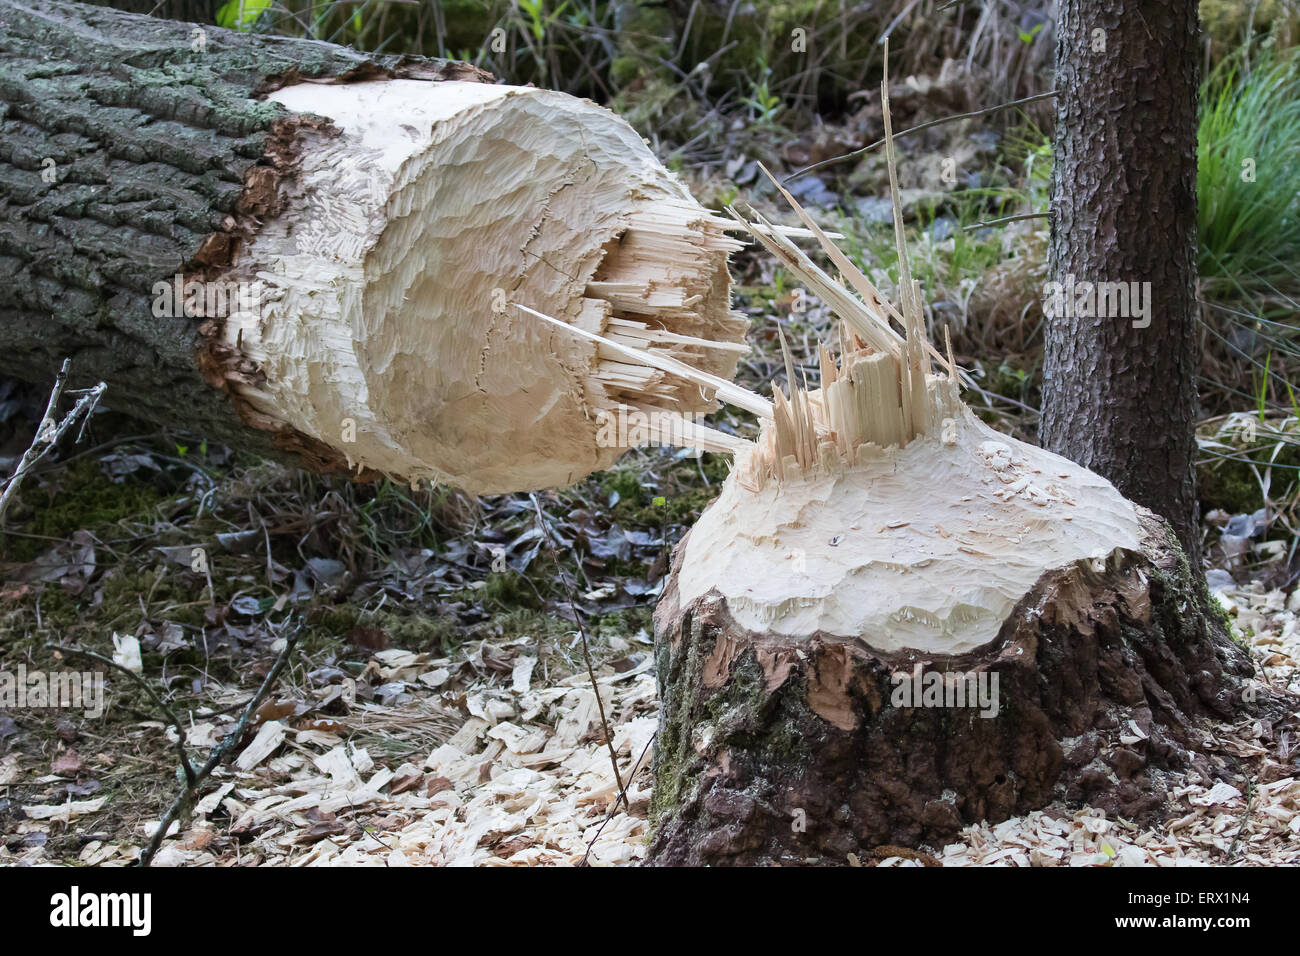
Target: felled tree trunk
(341, 259)
(894, 621)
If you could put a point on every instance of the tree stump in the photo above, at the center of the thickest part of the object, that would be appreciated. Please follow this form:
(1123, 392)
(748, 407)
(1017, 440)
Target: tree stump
(894, 621)
(783, 748)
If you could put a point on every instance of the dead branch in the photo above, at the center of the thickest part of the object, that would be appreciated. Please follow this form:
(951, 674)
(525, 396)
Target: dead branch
(48, 433)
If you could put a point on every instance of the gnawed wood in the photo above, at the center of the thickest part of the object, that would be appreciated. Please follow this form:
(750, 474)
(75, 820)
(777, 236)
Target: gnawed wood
(397, 326)
(894, 621)
(336, 249)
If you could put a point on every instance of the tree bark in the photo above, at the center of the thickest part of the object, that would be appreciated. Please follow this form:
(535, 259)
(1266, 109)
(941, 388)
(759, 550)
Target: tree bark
(133, 150)
(1119, 392)
(797, 749)
(397, 232)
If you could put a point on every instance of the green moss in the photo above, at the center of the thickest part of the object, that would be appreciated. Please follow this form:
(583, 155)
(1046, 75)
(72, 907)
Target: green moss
(1223, 619)
(624, 70)
(420, 632)
(77, 497)
(1226, 22)
(742, 716)
(505, 589)
(334, 620)
(740, 39)
(684, 507)
(60, 609)
(168, 585)
(626, 623)
(468, 24)
(645, 39)
(328, 628)
(1231, 485)
(625, 482)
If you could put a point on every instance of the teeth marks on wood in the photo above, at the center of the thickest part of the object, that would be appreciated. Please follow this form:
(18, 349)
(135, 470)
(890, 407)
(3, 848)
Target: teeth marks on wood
(208, 164)
(522, 196)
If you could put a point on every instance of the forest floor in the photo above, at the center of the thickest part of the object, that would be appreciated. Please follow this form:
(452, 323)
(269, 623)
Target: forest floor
(495, 755)
(437, 707)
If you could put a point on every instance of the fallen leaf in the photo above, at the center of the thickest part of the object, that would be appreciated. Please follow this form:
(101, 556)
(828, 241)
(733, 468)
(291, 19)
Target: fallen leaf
(66, 764)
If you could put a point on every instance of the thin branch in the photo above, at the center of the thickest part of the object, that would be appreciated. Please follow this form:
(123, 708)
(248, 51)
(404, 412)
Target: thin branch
(916, 129)
(889, 30)
(1017, 218)
(219, 752)
(582, 631)
(186, 766)
(621, 799)
(45, 438)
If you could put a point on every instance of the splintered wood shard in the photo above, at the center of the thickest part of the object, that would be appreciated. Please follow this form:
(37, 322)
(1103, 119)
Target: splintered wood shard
(867, 324)
(673, 428)
(880, 394)
(725, 391)
(874, 397)
(873, 303)
(790, 232)
(871, 296)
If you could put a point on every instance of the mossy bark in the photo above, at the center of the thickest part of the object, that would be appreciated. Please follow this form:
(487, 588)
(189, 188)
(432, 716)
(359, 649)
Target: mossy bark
(131, 150)
(784, 750)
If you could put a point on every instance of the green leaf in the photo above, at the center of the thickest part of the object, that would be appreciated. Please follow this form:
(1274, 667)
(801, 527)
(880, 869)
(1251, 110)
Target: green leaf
(1263, 388)
(660, 501)
(241, 14)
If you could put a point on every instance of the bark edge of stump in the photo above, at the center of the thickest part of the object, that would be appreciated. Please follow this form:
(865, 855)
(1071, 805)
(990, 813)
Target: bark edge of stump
(779, 750)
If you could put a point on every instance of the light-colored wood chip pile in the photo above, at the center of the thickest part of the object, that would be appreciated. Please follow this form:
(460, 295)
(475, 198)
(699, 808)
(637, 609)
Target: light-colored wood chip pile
(516, 774)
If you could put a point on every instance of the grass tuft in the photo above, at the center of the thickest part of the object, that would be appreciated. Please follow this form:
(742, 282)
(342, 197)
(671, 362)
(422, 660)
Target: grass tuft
(1248, 175)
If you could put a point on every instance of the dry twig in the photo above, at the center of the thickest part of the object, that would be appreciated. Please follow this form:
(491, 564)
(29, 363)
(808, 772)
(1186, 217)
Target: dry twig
(48, 433)
(181, 804)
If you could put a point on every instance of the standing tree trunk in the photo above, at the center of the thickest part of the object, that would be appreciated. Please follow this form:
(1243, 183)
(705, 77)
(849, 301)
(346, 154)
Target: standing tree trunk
(349, 261)
(1119, 390)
